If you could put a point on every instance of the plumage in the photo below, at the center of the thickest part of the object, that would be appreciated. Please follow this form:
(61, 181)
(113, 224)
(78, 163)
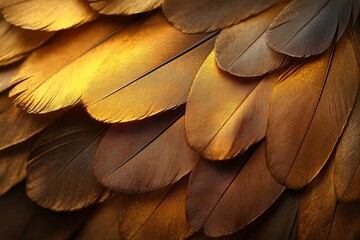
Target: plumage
(49, 15)
(64, 150)
(20, 218)
(242, 50)
(208, 15)
(6, 75)
(13, 165)
(156, 60)
(50, 85)
(221, 195)
(124, 7)
(128, 158)
(226, 114)
(17, 43)
(309, 108)
(11, 118)
(307, 27)
(317, 206)
(347, 159)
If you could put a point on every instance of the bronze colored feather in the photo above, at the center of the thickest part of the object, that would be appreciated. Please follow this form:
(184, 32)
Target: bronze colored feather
(193, 16)
(307, 27)
(124, 7)
(17, 43)
(309, 108)
(225, 114)
(45, 14)
(221, 196)
(129, 160)
(63, 151)
(50, 85)
(6, 75)
(242, 49)
(155, 61)
(17, 126)
(13, 165)
(347, 159)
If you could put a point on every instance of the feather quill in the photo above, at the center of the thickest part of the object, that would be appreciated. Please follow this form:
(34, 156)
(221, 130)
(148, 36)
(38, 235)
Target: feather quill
(309, 109)
(225, 114)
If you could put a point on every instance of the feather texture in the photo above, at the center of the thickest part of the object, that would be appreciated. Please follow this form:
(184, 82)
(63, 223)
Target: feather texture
(64, 150)
(347, 159)
(208, 15)
(13, 165)
(124, 7)
(6, 75)
(128, 158)
(50, 85)
(16, 43)
(307, 27)
(242, 49)
(225, 114)
(309, 108)
(221, 197)
(11, 118)
(148, 70)
(46, 15)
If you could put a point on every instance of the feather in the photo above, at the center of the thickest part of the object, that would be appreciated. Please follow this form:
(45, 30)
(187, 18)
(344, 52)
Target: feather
(156, 60)
(13, 165)
(347, 158)
(208, 15)
(242, 49)
(128, 158)
(50, 85)
(46, 15)
(307, 27)
(308, 112)
(221, 197)
(17, 43)
(346, 222)
(17, 126)
(6, 74)
(225, 114)
(22, 219)
(124, 7)
(63, 151)
(317, 206)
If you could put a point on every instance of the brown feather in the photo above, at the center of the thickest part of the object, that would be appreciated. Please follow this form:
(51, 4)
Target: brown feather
(63, 151)
(307, 27)
(46, 15)
(6, 75)
(17, 43)
(145, 155)
(208, 15)
(308, 112)
(48, 85)
(158, 64)
(221, 196)
(242, 49)
(225, 114)
(124, 7)
(347, 159)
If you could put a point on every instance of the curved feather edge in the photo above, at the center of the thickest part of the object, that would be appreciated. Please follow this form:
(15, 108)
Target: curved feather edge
(124, 7)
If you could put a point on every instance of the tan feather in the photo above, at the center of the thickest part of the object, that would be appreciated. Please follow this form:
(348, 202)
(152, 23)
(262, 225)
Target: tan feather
(221, 196)
(63, 151)
(128, 158)
(17, 43)
(307, 27)
(151, 72)
(17, 126)
(208, 15)
(308, 112)
(124, 7)
(45, 14)
(6, 75)
(50, 85)
(242, 49)
(347, 159)
(225, 114)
